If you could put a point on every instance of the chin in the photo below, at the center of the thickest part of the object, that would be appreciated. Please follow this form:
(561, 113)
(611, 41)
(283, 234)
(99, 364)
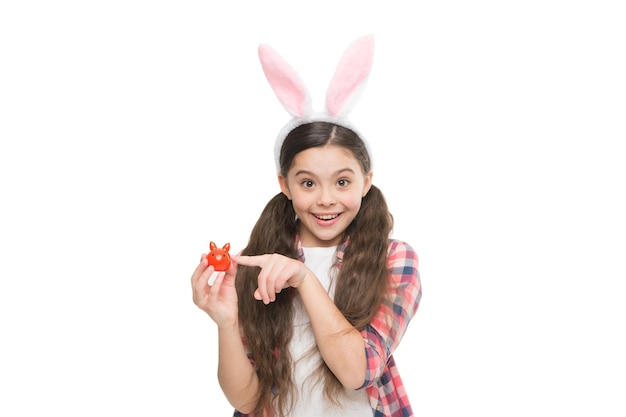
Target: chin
(333, 240)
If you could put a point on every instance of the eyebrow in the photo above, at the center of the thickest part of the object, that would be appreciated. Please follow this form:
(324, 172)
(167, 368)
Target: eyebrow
(338, 172)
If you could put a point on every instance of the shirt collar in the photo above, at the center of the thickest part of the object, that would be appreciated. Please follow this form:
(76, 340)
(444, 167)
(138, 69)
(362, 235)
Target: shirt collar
(341, 249)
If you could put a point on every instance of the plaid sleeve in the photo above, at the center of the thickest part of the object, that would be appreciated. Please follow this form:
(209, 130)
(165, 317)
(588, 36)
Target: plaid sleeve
(384, 333)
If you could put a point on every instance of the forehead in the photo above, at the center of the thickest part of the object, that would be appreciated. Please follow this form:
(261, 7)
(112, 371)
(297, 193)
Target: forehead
(326, 159)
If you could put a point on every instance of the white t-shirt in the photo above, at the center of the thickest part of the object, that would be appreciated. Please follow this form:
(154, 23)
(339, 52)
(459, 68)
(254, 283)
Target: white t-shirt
(311, 401)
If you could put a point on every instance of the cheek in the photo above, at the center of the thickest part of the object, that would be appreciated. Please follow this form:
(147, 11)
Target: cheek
(352, 201)
(301, 202)
(356, 202)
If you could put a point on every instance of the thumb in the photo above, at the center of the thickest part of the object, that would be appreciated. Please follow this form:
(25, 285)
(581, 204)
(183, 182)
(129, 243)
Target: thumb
(231, 272)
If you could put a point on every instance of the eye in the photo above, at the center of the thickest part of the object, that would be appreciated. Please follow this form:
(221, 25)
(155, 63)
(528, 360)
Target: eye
(343, 182)
(307, 184)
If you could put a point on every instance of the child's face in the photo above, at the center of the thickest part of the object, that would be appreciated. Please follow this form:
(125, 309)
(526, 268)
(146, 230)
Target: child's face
(326, 185)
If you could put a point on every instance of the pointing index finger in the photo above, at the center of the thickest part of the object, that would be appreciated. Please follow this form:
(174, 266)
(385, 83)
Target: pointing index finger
(249, 260)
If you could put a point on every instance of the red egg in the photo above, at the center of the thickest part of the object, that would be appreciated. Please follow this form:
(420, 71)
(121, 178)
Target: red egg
(219, 258)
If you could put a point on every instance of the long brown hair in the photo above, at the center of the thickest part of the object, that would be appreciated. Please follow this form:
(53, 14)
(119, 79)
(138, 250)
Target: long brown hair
(359, 286)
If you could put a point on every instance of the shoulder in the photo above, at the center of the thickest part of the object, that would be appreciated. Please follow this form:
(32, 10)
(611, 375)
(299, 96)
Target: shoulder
(402, 262)
(404, 278)
(399, 249)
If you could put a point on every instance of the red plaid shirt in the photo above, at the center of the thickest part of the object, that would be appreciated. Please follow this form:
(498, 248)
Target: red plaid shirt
(383, 384)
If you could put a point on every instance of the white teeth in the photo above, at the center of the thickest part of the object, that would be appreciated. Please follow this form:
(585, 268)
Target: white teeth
(327, 217)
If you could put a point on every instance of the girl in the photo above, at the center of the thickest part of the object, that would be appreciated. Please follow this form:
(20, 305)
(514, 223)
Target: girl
(311, 311)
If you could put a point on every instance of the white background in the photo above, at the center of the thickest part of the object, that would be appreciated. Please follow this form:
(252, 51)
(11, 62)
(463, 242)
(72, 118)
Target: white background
(135, 132)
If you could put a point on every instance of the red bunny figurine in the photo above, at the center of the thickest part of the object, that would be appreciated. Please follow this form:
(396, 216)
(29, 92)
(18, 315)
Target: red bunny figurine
(219, 258)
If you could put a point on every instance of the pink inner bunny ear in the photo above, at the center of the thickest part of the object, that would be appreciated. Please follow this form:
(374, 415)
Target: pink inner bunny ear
(350, 76)
(285, 82)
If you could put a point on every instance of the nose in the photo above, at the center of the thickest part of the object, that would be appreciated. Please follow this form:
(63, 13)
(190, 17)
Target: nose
(326, 197)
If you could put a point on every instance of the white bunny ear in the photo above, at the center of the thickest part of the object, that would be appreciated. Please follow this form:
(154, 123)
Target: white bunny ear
(350, 76)
(285, 82)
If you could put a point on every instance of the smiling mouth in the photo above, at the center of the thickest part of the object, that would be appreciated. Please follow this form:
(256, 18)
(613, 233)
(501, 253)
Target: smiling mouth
(326, 216)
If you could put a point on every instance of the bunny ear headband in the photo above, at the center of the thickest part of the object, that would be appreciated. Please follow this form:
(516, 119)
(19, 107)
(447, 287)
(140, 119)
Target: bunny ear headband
(343, 91)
